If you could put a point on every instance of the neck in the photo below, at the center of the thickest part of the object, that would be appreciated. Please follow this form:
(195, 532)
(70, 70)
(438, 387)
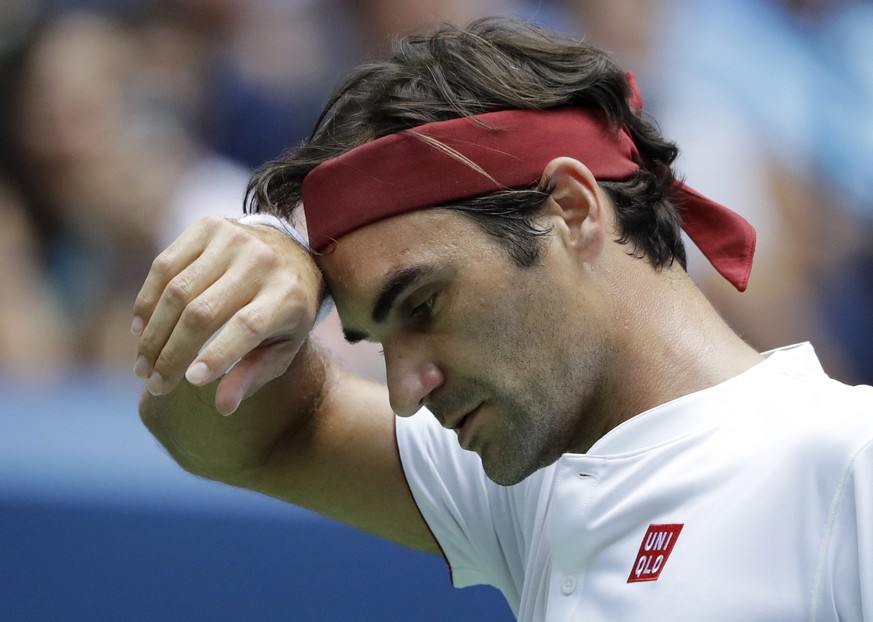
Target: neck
(668, 341)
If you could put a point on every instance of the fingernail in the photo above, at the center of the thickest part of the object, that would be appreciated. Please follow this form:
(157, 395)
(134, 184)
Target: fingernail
(142, 368)
(137, 325)
(155, 384)
(197, 373)
(231, 411)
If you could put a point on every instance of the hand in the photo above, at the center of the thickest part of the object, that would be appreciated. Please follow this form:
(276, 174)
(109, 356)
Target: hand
(260, 289)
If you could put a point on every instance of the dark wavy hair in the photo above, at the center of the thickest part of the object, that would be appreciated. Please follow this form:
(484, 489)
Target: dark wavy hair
(494, 64)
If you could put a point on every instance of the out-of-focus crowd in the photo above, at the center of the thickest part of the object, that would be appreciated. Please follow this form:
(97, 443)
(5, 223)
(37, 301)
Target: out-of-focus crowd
(122, 121)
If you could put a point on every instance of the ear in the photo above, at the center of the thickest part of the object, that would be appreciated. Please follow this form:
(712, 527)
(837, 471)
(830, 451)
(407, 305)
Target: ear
(576, 205)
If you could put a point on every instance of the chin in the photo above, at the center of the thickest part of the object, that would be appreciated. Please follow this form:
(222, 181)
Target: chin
(508, 468)
(504, 479)
(499, 472)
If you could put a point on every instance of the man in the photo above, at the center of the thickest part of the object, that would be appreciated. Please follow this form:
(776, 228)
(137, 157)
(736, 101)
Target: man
(490, 206)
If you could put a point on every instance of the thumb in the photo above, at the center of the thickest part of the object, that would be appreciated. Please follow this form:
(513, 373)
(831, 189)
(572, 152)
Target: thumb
(252, 372)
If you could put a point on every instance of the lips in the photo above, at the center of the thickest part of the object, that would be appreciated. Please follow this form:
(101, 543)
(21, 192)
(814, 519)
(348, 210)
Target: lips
(461, 421)
(465, 428)
(455, 422)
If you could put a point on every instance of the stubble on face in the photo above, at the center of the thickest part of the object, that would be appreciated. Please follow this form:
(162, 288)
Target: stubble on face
(519, 341)
(541, 382)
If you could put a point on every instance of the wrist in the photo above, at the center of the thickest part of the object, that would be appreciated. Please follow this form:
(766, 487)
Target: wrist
(280, 224)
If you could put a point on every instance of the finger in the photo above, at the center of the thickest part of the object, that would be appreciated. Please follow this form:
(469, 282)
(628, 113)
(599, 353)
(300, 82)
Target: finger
(259, 367)
(178, 255)
(198, 321)
(178, 295)
(272, 316)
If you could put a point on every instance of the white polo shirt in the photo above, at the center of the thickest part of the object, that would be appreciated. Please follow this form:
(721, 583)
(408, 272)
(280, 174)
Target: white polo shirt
(751, 500)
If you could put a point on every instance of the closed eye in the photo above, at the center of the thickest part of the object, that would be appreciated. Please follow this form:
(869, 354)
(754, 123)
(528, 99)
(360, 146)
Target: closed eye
(424, 310)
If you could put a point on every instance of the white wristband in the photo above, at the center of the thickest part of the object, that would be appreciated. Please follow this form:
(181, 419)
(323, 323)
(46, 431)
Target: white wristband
(285, 227)
(277, 223)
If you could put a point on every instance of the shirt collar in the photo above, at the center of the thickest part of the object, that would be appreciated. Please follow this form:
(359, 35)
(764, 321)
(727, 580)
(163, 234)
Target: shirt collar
(702, 409)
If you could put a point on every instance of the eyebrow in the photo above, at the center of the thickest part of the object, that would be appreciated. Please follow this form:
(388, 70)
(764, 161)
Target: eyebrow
(397, 282)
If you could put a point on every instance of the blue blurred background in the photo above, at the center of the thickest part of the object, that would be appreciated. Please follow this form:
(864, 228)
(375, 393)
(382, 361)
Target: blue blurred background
(123, 121)
(97, 523)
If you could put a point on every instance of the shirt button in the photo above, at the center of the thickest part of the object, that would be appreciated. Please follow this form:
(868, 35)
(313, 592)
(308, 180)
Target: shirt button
(568, 585)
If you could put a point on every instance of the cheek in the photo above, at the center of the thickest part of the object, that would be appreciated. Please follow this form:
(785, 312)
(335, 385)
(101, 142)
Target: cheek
(502, 334)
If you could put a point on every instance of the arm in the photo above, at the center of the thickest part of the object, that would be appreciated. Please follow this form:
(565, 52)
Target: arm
(313, 435)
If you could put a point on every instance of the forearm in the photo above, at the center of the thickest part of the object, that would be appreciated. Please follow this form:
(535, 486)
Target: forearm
(233, 449)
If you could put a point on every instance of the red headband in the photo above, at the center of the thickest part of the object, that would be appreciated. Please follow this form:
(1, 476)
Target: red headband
(450, 161)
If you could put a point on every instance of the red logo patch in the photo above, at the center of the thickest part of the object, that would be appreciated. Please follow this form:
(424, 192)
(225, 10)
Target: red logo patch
(656, 547)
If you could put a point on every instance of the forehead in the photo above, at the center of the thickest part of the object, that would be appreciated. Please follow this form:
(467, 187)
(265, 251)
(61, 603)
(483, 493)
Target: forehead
(361, 260)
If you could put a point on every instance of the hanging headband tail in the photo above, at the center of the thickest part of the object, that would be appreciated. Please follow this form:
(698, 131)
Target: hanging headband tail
(724, 237)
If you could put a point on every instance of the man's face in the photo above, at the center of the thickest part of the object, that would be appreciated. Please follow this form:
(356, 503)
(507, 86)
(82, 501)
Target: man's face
(510, 357)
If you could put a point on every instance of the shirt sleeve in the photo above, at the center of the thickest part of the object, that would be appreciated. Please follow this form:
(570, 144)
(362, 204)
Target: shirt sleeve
(471, 517)
(846, 591)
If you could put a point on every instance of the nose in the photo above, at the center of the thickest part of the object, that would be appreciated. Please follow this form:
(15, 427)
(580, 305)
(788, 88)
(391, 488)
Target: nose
(411, 378)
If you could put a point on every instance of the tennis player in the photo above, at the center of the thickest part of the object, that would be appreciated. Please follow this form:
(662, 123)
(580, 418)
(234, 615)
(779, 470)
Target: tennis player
(566, 417)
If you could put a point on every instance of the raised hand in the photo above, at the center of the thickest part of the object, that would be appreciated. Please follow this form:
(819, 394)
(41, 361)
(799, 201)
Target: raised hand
(254, 287)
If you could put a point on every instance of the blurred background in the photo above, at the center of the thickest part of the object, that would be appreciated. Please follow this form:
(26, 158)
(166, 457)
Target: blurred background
(123, 121)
